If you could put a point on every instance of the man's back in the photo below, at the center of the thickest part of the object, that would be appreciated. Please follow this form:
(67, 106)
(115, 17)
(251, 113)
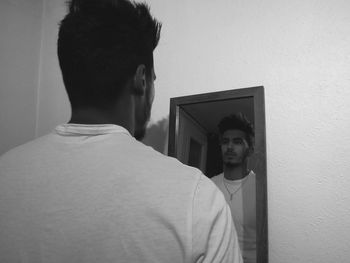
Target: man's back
(94, 194)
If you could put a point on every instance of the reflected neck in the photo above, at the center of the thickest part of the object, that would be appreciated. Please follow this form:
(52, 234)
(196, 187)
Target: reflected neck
(235, 172)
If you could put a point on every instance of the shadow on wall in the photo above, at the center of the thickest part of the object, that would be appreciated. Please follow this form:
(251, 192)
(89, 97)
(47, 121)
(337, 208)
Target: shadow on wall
(157, 135)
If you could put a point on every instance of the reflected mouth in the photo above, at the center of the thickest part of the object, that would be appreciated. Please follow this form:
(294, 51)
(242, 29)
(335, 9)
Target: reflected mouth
(231, 156)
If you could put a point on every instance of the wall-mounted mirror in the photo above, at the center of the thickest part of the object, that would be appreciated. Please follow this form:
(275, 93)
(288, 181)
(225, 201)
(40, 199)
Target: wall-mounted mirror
(222, 154)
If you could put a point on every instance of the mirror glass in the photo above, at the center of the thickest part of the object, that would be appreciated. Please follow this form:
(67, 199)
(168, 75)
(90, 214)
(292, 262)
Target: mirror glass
(195, 139)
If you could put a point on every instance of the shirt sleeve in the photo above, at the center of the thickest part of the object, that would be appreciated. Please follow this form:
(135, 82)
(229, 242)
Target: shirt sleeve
(214, 234)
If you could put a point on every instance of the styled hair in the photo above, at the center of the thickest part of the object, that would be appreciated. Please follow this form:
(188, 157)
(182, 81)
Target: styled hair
(237, 121)
(100, 45)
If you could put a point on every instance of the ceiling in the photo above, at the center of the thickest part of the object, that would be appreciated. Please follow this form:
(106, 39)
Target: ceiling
(209, 114)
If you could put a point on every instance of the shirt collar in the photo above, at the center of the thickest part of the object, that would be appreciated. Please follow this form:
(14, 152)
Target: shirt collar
(73, 129)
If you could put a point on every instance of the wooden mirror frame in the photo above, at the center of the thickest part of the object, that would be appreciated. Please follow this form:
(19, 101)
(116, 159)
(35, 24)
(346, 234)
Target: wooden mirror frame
(257, 95)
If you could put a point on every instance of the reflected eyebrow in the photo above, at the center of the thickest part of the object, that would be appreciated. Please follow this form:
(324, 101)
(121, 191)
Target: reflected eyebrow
(235, 138)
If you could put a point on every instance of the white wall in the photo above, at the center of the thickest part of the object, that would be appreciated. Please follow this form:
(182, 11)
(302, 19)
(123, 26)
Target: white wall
(20, 36)
(300, 51)
(53, 104)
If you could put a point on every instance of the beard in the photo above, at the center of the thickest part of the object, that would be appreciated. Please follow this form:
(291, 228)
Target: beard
(140, 134)
(142, 121)
(232, 164)
(237, 161)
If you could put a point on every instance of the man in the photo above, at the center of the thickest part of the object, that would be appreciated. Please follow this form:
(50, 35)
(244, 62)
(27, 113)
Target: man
(237, 182)
(89, 191)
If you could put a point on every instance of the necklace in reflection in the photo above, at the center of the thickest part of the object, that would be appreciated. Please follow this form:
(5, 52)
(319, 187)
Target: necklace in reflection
(231, 194)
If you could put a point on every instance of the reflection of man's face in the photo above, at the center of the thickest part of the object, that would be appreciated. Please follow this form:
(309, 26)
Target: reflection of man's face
(144, 108)
(234, 147)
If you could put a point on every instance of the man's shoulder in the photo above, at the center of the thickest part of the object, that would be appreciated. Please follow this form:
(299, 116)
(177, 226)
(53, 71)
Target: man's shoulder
(171, 170)
(168, 164)
(23, 150)
(252, 173)
(251, 176)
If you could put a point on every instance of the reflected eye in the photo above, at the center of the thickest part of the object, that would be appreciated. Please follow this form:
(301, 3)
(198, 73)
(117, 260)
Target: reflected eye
(225, 141)
(238, 141)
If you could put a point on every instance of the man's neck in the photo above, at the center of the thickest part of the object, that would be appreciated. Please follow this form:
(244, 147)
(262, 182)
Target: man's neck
(94, 116)
(91, 116)
(235, 172)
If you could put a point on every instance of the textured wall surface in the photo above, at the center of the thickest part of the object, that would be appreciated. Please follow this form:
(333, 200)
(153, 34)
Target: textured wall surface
(300, 51)
(53, 103)
(20, 29)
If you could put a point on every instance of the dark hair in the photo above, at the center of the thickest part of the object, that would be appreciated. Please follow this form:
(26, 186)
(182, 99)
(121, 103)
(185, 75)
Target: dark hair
(237, 122)
(100, 44)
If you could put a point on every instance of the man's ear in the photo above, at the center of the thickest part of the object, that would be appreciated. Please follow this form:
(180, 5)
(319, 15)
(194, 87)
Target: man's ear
(139, 87)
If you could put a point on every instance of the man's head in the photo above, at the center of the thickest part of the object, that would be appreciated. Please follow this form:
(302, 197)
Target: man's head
(236, 139)
(105, 46)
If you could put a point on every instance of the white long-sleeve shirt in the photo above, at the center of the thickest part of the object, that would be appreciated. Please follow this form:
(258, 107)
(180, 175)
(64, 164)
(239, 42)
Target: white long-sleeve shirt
(92, 193)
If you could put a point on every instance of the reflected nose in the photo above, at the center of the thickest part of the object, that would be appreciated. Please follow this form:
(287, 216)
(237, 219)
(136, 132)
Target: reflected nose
(230, 145)
(229, 150)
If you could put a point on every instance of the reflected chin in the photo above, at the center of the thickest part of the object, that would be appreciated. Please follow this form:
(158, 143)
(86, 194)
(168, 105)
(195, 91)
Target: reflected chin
(232, 164)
